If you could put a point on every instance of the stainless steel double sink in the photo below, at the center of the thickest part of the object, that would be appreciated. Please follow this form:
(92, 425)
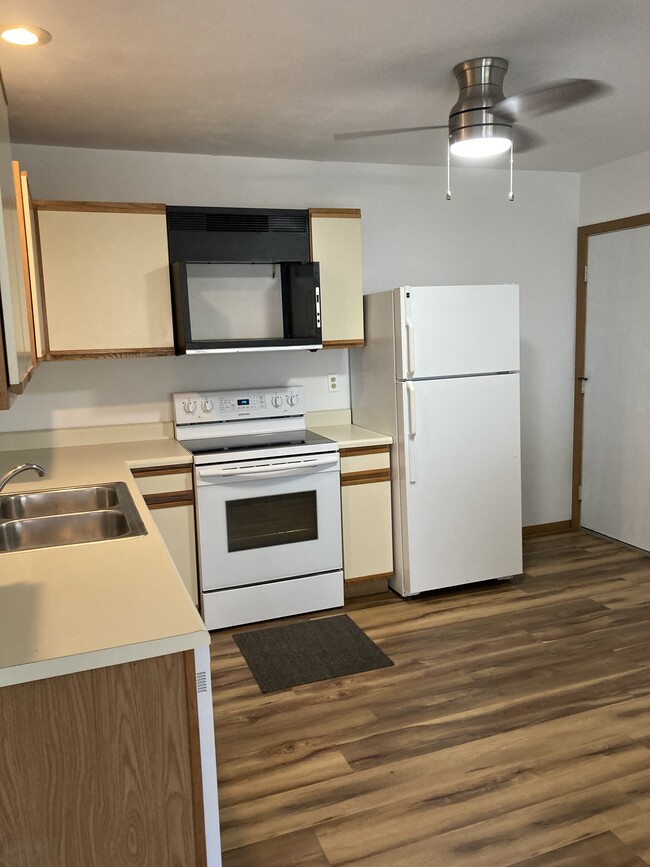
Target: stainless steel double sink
(68, 516)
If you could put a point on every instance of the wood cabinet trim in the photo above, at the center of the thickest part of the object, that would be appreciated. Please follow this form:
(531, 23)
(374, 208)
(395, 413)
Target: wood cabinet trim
(194, 743)
(5, 402)
(169, 500)
(27, 277)
(359, 451)
(46, 333)
(342, 344)
(38, 262)
(361, 578)
(19, 387)
(81, 354)
(350, 213)
(365, 477)
(101, 207)
(144, 472)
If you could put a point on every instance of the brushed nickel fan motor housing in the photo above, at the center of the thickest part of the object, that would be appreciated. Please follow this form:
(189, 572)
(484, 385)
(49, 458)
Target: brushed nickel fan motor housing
(480, 82)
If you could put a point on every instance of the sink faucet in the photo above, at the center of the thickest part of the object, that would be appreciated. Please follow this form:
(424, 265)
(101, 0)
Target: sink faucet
(20, 469)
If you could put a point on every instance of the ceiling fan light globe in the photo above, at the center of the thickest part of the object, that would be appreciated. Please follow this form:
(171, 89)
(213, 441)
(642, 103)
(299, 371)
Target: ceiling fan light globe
(480, 147)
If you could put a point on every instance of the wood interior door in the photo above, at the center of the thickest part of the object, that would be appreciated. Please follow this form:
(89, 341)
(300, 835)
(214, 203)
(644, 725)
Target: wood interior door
(616, 404)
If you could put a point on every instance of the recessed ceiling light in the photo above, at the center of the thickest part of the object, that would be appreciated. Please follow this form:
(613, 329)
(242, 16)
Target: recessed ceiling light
(22, 34)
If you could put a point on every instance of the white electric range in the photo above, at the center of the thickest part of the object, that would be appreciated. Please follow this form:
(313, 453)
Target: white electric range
(268, 508)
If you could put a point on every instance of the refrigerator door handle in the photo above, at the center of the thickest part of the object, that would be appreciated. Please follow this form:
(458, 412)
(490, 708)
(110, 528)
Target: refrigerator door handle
(410, 347)
(410, 390)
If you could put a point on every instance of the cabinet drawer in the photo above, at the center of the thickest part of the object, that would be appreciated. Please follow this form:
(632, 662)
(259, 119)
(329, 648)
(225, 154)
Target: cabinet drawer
(158, 484)
(365, 464)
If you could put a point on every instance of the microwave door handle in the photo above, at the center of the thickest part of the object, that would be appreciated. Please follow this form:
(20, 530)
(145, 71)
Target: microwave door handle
(317, 302)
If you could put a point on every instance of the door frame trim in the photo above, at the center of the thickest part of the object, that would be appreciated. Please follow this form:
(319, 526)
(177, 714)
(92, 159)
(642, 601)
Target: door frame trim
(584, 234)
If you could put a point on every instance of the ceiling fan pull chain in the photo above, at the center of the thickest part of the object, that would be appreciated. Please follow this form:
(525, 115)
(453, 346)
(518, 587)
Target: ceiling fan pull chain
(511, 195)
(448, 196)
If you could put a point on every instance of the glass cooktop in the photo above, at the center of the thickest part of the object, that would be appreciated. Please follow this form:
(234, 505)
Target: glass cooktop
(250, 442)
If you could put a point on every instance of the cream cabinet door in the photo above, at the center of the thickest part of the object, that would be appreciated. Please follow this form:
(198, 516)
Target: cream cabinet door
(32, 250)
(105, 278)
(366, 513)
(335, 242)
(15, 320)
(367, 531)
(176, 525)
(168, 492)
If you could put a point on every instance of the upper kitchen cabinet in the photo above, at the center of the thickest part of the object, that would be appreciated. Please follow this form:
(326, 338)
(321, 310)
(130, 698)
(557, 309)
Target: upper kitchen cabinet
(16, 341)
(335, 239)
(30, 247)
(105, 269)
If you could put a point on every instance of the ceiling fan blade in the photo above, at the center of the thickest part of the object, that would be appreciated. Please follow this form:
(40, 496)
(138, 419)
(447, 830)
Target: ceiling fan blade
(347, 136)
(553, 96)
(525, 139)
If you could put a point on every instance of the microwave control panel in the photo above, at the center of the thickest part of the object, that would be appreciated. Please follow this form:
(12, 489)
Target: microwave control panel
(195, 407)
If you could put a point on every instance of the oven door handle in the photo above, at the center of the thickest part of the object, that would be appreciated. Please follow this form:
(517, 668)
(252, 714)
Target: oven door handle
(269, 471)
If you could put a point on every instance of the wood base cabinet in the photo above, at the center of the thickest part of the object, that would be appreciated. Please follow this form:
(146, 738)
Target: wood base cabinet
(366, 514)
(169, 494)
(105, 278)
(111, 767)
(335, 242)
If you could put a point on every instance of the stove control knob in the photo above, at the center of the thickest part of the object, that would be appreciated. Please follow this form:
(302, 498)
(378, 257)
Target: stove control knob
(292, 399)
(276, 400)
(207, 406)
(189, 406)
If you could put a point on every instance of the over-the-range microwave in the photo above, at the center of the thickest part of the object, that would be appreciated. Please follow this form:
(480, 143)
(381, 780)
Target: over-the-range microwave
(241, 280)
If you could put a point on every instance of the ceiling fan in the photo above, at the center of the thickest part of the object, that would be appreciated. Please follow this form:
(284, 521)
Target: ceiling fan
(483, 122)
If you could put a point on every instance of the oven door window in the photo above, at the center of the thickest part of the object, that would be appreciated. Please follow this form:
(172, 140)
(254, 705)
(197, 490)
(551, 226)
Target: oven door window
(279, 519)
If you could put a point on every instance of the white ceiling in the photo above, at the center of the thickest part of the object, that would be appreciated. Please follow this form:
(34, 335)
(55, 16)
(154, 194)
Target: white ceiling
(277, 78)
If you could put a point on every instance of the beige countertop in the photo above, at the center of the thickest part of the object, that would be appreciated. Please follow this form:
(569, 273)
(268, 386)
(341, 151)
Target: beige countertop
(351, 436)
(79, 607)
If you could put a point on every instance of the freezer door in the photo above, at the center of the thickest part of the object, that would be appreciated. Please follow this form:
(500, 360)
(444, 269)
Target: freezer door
(460, 489)
(456, 330)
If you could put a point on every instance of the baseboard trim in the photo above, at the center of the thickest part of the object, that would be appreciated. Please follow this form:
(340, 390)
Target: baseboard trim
(547, 529)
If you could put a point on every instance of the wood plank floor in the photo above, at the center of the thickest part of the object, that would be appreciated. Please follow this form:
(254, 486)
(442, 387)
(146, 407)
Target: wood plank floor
(514, 729)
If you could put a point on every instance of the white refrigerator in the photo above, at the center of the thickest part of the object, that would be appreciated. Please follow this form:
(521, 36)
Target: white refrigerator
(439, 372)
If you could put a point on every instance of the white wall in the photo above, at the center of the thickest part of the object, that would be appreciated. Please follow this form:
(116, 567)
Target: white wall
(615, 190)
(411, 235)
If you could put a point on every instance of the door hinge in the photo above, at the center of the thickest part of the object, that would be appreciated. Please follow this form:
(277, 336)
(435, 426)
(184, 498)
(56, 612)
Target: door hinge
(585, 273)
(579, 492)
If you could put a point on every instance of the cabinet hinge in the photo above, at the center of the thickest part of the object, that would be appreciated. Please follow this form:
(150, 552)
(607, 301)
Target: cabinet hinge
(579, 492)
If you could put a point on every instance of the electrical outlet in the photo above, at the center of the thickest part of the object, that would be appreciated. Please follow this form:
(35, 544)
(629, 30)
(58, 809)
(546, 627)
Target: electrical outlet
(332, 382)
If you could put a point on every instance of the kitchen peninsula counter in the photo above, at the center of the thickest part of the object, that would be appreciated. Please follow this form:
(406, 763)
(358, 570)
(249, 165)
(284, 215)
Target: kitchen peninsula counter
(78, 607)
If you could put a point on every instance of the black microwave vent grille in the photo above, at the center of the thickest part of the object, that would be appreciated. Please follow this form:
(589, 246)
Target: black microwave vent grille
(208, 222)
